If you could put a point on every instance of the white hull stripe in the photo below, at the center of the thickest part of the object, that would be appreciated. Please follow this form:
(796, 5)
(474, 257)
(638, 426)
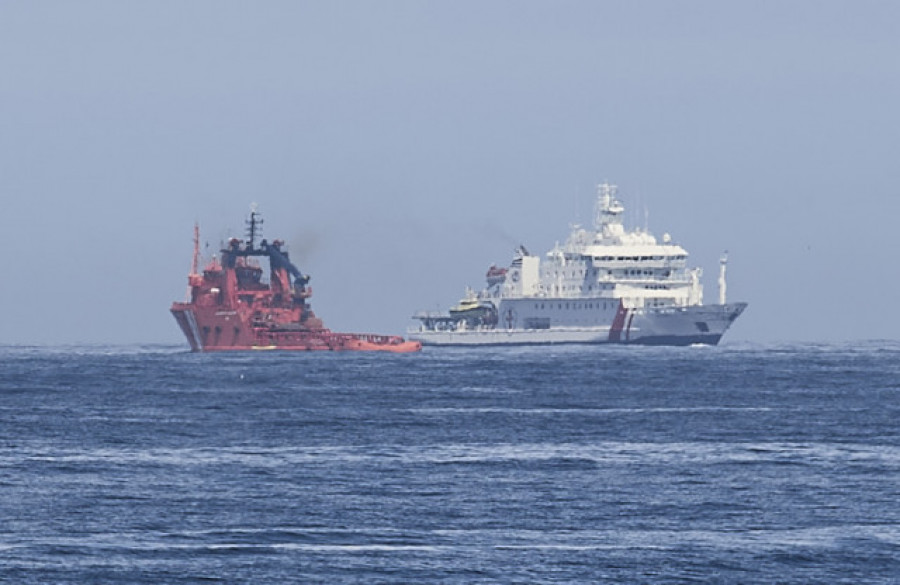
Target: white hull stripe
(195, 331)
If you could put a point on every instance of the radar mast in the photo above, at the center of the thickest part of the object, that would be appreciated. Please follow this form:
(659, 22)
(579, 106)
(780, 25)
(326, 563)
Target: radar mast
(254, 226)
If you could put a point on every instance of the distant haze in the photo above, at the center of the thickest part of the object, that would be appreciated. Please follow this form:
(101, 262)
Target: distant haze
(401, 148)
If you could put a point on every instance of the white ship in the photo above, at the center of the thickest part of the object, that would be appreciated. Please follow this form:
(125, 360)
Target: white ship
(606, 285)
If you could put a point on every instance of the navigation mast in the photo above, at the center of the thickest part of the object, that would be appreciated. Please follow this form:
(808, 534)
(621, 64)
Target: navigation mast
(195, 261)
(254, 227)
(723, 262)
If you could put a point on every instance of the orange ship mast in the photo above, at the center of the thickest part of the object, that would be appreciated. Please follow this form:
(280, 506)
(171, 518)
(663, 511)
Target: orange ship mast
(195, 261)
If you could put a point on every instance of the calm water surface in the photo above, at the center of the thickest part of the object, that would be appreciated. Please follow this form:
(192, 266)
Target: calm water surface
(735, 464)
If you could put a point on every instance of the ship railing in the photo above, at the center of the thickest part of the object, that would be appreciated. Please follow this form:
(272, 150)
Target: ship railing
(431, 315)
(378, 339)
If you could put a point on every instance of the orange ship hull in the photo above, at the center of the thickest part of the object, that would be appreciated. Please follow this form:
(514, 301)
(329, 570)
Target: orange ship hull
(227, 332)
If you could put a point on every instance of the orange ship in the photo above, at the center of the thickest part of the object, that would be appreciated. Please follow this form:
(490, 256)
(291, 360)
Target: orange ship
(232, 307)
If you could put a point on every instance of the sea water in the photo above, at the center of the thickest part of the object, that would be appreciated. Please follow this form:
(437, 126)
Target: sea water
(731, 464)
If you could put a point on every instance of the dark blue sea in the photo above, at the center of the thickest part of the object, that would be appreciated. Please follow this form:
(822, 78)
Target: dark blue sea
(731, 464)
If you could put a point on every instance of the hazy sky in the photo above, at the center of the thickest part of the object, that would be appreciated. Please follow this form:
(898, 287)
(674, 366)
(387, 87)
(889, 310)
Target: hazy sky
(402, 147)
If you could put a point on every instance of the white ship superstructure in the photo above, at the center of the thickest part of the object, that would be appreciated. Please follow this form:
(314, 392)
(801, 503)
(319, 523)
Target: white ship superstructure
(605, 285)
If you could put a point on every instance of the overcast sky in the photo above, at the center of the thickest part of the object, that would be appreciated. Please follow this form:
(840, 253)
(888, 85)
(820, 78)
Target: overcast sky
(402, 147)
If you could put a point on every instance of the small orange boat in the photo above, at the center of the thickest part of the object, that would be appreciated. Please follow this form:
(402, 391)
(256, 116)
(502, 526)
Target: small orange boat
(231, 306)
